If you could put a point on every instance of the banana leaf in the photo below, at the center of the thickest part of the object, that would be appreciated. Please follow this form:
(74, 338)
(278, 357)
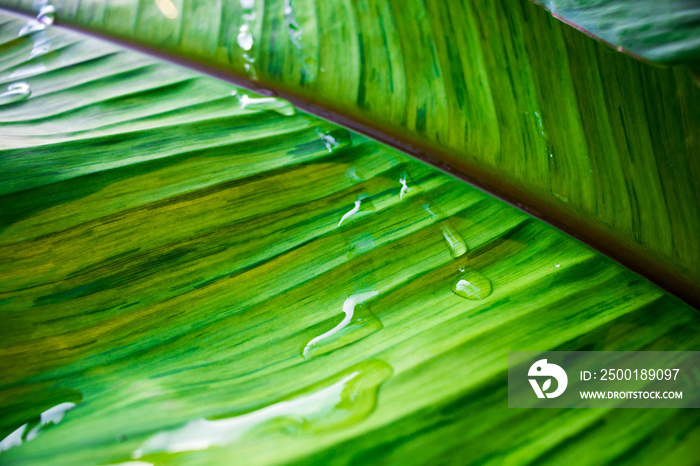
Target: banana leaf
(498, 93)
(664, 32)
(194, 274)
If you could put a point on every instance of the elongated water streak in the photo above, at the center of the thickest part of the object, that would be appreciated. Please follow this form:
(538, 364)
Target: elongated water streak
(352, 212)
(349, 310)
(345, 398)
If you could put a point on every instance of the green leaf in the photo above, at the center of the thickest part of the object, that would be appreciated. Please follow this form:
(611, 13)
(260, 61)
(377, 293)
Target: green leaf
(498, 93)
(665, 32)
(191, 274)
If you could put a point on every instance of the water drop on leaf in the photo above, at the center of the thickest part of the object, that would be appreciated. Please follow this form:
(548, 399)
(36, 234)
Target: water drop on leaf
(16, 92)
(472, 285)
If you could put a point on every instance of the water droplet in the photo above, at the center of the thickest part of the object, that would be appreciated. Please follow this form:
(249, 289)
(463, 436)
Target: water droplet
(39, 50)
(360, 244)
(249, 17)
(404, 185)
(455, 242)
(245, 34)
(433, 215)
(363, 202)
(472, 285)
(294, 31)
(357, 323)
(329, 141)
(540, 126)
(42, 44)
(46, 15)
(351, 174)
(249, 66)
(16, 92)
(337, 402)
(31, 26)
(245, 37)
(168, 8)
(350, 213)
(31, 430)
(274, 104)
(44, 18)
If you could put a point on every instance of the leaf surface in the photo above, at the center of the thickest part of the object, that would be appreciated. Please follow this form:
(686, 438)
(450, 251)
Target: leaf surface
(665, 32)
(498, 93)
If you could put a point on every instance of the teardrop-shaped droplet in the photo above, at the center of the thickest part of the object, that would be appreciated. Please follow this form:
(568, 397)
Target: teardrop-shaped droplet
(454, 241)
(16, 92)
(340, 401)
(472, 285)
(275, 104)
